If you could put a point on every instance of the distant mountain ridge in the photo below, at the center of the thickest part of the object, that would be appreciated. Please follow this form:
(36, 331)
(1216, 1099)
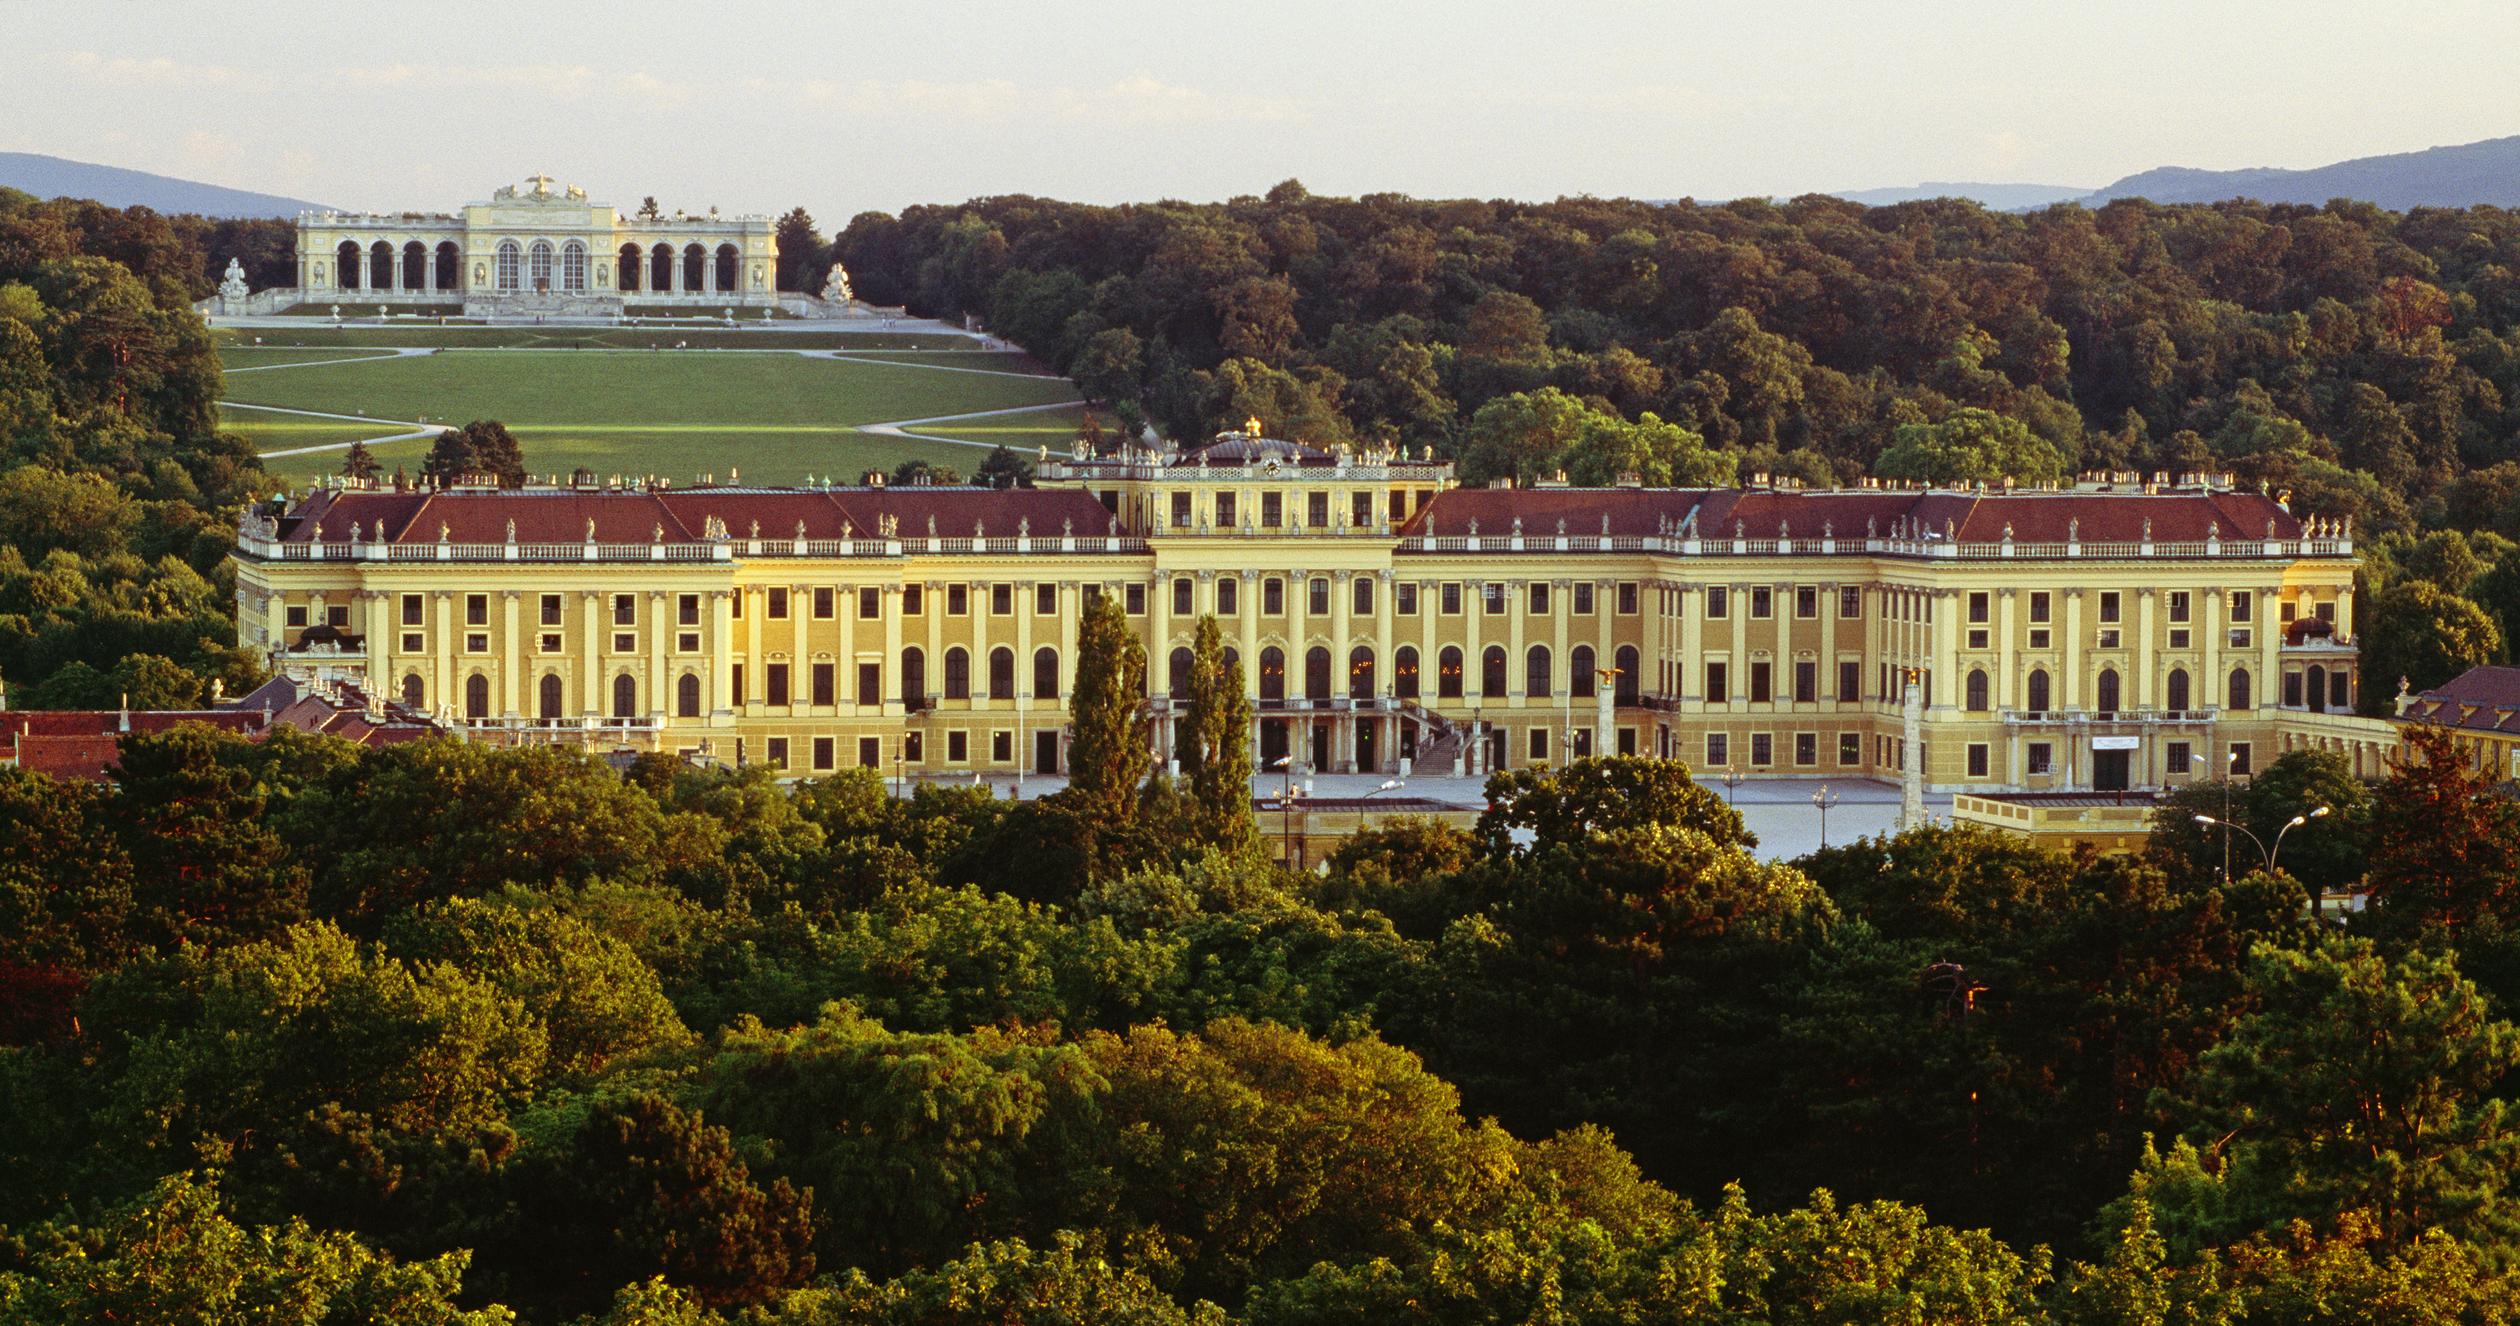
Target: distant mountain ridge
(2483, 173)
(59, 177)
(2001, 197)
(2465, 175)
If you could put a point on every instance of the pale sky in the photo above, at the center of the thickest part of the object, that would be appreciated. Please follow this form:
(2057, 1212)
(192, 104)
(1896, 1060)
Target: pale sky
(845, 107)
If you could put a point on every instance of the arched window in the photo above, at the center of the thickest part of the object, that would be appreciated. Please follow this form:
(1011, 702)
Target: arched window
(1233, 669)
(1536, 679)
(415, 266)
(1001, 673)
(1404, 672)
(625, 696)
(450, 266)
(1177, 673)
(1492, 670)
(549, 698)
(1448, 673)
(1624, 686)
(573, 266)
(957, 674)
(2239, 688)
(476, 696)
(511, 264)
(346, 266)
(2106, 693)
(1272, 673)
(1316, 673)
(627, 279)
(1045, 673)
(2038, 689)
(2178, 688)
(1361, 673)
(661, 268)
(538, 267)
(380, 274)
(687, 696)
(913, 679)
(413, 689)
(1580, 680)
(1976, 691)
(695, 267)
(726, 261)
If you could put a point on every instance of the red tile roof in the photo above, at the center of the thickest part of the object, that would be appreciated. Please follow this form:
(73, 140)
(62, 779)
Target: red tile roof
(83, 743)
(2484, 699)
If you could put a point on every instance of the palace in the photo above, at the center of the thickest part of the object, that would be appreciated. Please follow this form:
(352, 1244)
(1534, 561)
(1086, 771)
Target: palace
(532, 250)
(2114, 634)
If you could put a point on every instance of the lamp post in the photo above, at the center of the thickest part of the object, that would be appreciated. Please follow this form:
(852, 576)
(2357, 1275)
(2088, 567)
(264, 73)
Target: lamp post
(2268, 852)
(1821, 801)
(1732, 780)
(1285, 764)
(1388, 785)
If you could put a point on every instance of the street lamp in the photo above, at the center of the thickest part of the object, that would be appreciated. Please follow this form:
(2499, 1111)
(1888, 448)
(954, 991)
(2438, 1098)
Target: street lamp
(1286, 806)
(1732, 780)
(1388, 785)
(1822, 800)
(2266, 852)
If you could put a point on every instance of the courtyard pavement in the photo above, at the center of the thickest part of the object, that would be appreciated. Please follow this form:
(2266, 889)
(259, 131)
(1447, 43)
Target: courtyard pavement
(1778, 810)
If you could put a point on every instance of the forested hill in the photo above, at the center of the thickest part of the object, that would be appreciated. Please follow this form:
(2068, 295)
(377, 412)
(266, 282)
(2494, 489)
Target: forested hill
(2362, 358)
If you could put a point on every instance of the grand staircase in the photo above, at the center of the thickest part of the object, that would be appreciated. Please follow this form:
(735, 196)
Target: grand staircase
(1439, 738)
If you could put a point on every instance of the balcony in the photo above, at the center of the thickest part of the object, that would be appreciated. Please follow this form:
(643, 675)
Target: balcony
(2103, 720)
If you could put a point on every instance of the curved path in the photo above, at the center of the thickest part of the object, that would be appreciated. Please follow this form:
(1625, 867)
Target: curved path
(903, 428)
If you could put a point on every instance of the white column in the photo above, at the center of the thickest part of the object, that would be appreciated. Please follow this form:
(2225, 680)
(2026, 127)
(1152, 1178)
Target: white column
(2072, 697)
(509, 646)
(756, 676)
(591, 668)
(2144, 647)
(800, 671)
(722, 652)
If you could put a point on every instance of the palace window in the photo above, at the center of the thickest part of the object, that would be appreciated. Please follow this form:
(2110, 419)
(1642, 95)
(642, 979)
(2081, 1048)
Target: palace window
(538, 265)
(511, 262)
(573, 266)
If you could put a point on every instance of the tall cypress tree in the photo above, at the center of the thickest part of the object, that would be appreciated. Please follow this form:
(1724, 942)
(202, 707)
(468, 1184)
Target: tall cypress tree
(1216, 756)
(1109, 759)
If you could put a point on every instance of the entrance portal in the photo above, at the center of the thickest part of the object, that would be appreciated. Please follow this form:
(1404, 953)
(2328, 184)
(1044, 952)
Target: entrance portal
(1046, 752)
(2108, 770)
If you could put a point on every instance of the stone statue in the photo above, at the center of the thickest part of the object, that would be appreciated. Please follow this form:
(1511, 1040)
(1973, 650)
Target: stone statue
(590, 529)
(836, 286)
(800, 529)
(511, 529)
(233, 286)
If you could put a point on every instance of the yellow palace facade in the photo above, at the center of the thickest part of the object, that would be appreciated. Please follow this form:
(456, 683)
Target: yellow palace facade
(2113, 634)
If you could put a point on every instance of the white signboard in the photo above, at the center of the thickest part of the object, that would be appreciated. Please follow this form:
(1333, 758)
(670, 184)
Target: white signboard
(2117, 743)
